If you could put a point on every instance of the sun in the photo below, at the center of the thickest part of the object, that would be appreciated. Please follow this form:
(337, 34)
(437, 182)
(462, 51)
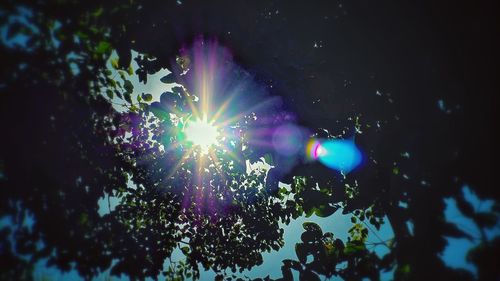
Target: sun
(202, 133)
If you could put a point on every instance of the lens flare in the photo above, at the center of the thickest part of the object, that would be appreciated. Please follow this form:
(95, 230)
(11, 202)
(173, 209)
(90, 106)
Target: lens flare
(340, 155)
(313, 149)
(287, 140)
(202, 133)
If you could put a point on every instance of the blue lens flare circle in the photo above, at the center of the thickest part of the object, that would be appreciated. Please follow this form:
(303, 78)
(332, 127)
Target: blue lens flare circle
(340, 155)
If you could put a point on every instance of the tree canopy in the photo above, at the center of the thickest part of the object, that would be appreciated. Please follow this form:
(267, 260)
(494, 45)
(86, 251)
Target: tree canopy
(412, 84)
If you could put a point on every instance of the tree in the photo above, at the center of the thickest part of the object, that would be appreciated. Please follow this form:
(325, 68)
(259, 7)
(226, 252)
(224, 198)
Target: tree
(64, 145)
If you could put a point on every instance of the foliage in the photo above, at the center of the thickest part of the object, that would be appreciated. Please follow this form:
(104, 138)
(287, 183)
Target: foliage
(64, 146)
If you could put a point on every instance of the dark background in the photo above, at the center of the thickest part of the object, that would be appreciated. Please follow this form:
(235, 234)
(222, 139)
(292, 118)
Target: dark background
(413, 53)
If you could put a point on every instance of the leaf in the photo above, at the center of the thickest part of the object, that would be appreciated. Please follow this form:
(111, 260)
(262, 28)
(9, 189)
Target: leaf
(147, 97)
(127, 97)
(158, 111)
(269, 159)
(405, 269)
(130, 70)
(272, 182)
(109, 93)
(178, 90)
(111, 82)
(387, 260)
(118, 94)
(129, 88)
(114, 63)
(465, 207)
(324, 211)
(313, 227)
(484, 219)
(308, 275)
(339, 245)
(82, 35)
(395, 170)
(185, 250)
(287, 273)
(98, 12)
(143, 76)
(183, 62)
(168, 79)
(353, 247)
(316, 202)
(292, 264)
(168, 99)
(309, 237)
(122, 74)
(125, 56)
(103, 48)
(301, 252)
(13, 30)
(84, 218)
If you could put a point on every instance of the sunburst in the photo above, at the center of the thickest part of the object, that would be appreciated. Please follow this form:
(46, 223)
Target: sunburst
(202, 133)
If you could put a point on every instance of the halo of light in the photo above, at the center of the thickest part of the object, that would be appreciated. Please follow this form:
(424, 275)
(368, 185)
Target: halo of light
(201, 133)
(287, 140)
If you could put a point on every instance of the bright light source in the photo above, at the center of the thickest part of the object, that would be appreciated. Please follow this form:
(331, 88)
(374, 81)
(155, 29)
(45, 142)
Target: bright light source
(201, 133)
(320, 151)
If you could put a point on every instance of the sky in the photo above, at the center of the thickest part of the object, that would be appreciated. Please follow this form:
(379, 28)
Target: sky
(454, 254)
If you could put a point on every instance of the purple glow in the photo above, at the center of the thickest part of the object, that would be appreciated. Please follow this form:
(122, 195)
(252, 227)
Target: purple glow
(287, 140)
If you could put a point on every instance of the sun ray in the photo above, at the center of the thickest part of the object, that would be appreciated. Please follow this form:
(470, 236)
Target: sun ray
(231, 154)
(190, 102)
(222, 108)
(238, 117)
(180, 162)
(218, 165)
(207, 125)
(261, 143)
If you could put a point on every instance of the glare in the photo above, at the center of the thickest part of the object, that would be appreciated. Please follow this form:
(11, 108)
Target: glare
(202, 133)
(337, 154)
(320, 151)
(340, 155)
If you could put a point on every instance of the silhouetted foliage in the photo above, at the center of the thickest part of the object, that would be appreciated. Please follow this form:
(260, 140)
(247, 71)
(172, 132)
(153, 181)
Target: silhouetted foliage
(376, 71)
